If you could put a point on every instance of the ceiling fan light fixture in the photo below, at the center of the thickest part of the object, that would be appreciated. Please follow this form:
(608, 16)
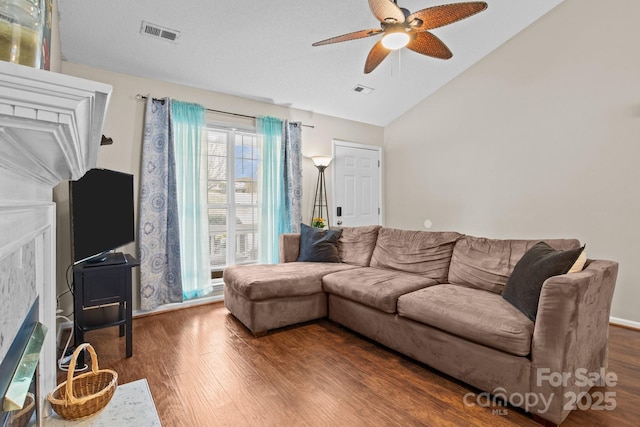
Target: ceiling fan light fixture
(396, 40)
(401, 28)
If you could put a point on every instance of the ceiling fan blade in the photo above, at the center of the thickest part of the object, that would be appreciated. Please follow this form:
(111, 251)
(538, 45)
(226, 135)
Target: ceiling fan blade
(386, 11)
(428, 44)
(439, 16)
(351, 36)
(375, 57)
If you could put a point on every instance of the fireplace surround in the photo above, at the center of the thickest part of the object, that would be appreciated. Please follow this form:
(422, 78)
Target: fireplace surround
(50, 131)
(19, 387)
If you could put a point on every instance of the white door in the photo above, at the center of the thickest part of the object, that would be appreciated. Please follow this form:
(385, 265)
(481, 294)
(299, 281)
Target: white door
(356, 178)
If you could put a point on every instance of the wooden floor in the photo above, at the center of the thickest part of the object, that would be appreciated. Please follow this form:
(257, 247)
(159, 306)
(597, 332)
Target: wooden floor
(205, 369)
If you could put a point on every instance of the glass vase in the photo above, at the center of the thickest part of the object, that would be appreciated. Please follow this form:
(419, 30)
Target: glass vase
(21, 23)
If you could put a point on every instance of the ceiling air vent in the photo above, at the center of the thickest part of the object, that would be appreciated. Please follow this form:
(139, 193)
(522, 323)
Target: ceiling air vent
(157, 31)
(362, 89)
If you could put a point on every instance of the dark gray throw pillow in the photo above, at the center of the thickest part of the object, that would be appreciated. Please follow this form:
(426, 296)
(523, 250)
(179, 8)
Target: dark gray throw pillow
(318, 245)
(539, 263)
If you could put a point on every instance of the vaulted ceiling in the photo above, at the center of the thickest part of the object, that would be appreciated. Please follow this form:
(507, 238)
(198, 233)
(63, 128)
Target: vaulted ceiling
(262, 50)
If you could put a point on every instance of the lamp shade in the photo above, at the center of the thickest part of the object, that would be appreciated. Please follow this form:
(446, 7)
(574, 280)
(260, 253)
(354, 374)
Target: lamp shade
(321, 161)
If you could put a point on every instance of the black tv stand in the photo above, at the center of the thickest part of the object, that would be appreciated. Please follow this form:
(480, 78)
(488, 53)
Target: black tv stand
(102, 297)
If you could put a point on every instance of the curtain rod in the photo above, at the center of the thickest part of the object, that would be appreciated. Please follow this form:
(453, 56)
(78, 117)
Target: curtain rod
(140, 97)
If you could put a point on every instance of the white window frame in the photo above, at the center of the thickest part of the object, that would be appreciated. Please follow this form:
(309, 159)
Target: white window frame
(232, 130)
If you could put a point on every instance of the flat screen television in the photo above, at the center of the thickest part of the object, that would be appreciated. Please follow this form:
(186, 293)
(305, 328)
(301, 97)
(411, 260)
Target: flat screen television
(102, 219)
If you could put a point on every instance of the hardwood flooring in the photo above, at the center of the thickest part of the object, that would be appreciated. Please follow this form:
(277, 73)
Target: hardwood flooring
(205, 369)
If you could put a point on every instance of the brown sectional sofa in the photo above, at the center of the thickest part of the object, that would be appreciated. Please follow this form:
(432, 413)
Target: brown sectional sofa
(436, 297)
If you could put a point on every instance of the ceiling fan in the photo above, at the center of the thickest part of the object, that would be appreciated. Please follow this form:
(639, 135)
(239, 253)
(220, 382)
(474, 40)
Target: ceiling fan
(402, 28)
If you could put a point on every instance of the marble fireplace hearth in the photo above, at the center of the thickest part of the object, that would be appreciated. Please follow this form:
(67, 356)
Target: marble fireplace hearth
(50, 131)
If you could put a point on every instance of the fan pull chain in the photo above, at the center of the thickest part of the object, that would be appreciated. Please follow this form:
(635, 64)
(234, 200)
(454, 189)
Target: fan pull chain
(396, 67)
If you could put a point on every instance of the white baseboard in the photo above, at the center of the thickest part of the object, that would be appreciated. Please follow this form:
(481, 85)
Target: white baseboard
(68, 325)
(624, 322)
(179, 305)
(219, 297)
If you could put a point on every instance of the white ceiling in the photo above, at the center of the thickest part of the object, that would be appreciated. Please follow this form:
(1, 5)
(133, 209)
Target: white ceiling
(262, 49)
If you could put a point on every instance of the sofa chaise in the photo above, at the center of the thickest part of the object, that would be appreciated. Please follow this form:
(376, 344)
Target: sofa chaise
(437, 298)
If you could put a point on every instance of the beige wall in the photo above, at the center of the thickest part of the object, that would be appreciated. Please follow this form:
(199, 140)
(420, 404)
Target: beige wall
(125, 122)
(539, 139)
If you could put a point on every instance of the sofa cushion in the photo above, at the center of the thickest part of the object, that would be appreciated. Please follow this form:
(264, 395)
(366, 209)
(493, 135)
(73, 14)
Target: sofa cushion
(356, 244)
(265, 281)
(474, 314)
(318, 245)
(537, 265)
(425, 253)
(373, 287)
(488, 263)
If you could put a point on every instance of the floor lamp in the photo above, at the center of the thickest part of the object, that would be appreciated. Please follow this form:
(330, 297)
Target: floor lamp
(320, 204)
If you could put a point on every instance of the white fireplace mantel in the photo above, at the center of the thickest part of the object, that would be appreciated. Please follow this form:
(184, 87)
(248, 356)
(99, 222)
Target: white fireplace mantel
(50, 123)
(50, 131)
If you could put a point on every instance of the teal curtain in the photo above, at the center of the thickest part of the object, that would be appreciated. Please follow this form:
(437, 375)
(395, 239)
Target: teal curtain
(270, 178)
(280, 180)
(189, 137)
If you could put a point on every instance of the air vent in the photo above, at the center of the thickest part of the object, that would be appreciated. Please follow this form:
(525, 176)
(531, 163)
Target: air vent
(362, 89)
(157, 31)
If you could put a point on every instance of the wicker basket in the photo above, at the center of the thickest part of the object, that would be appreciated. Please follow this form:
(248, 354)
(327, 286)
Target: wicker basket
(85, 394)
(21, 417)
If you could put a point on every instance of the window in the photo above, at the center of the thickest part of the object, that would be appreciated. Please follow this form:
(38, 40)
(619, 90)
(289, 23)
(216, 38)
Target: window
(233, 161)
